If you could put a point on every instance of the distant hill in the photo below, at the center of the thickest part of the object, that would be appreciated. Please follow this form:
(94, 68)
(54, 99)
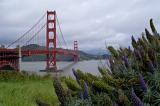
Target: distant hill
(83, 55)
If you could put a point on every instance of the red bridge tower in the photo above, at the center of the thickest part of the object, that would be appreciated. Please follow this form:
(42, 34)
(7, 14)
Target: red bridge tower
(51, 40)
(76, 57)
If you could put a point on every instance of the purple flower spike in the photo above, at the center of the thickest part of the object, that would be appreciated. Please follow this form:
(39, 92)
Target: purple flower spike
(134, 43)
(85, 93)
(126, 62)
(133, 40)
(136, 101)
(150, 67)
(152, 55)
(114, 104)
(137, 54)
(142, 83)
(76, 75)
(129, 49)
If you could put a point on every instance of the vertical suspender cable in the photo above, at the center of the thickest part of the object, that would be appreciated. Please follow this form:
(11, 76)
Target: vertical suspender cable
(61, 32)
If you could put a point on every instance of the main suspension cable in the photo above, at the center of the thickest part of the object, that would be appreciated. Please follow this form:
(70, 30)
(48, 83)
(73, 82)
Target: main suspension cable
(27, 31)
(35, 34)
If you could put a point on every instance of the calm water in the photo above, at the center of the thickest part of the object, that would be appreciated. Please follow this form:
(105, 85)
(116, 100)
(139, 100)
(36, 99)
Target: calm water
(86, 66)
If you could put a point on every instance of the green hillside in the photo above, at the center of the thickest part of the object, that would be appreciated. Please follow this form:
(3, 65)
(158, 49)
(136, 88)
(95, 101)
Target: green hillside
(83, 55)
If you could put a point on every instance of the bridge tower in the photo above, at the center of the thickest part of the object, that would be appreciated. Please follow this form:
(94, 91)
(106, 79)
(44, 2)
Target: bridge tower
(76, 57)
(51, 41)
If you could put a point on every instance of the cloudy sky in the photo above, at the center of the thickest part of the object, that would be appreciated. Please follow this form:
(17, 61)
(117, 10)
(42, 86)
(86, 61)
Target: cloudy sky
(91, 22)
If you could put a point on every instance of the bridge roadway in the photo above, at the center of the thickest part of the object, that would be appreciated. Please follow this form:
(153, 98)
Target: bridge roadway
(14, 52)
(9, 58)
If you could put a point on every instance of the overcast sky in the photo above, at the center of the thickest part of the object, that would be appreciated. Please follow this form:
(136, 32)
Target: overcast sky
(91, 22)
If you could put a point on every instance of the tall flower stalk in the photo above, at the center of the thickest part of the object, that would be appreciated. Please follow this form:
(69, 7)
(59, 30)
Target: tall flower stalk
(150, 66)
(76, 75)
(142, 83)
(85, 93)
(135, 99)
(61, 94)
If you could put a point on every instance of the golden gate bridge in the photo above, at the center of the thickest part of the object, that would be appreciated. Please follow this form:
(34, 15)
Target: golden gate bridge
(11, 57)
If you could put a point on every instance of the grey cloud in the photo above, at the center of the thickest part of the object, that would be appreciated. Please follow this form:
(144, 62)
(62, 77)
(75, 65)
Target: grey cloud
(91, 22)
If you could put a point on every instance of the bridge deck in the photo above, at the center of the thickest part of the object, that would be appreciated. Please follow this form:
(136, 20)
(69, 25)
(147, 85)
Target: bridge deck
(10, 57)
(14, 52)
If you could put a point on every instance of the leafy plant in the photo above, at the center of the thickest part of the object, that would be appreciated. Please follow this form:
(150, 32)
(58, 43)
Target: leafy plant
(133, 77)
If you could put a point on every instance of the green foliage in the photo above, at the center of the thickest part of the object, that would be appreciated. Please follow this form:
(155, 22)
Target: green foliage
(123, 99)
(87, 77)
(154, 31)
(72, 84)
(113, 52)
(61, 93)
(104, 72)
(121, 85)
(101, 86)
(101, 99)
(22, 89)
(80, 102)
(14, 76)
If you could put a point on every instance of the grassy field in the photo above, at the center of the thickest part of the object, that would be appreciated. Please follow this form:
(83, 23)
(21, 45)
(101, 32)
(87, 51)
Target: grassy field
(24, 90)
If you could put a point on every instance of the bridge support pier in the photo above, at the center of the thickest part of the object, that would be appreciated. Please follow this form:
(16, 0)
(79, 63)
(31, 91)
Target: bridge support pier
(8, 60)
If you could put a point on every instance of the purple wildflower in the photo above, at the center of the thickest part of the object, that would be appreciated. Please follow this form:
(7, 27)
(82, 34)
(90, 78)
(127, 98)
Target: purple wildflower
(152, 54)
(133, 40)
(142, 83)
(137, 54)
(126, 62)
(136, 101)
(150, 66)
(129, 49)
(148, 35)
(85, 93)
(114, 104)
(142, 51)
(76, 75)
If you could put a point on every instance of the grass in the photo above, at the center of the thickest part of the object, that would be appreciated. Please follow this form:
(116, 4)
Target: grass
(23, 90)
